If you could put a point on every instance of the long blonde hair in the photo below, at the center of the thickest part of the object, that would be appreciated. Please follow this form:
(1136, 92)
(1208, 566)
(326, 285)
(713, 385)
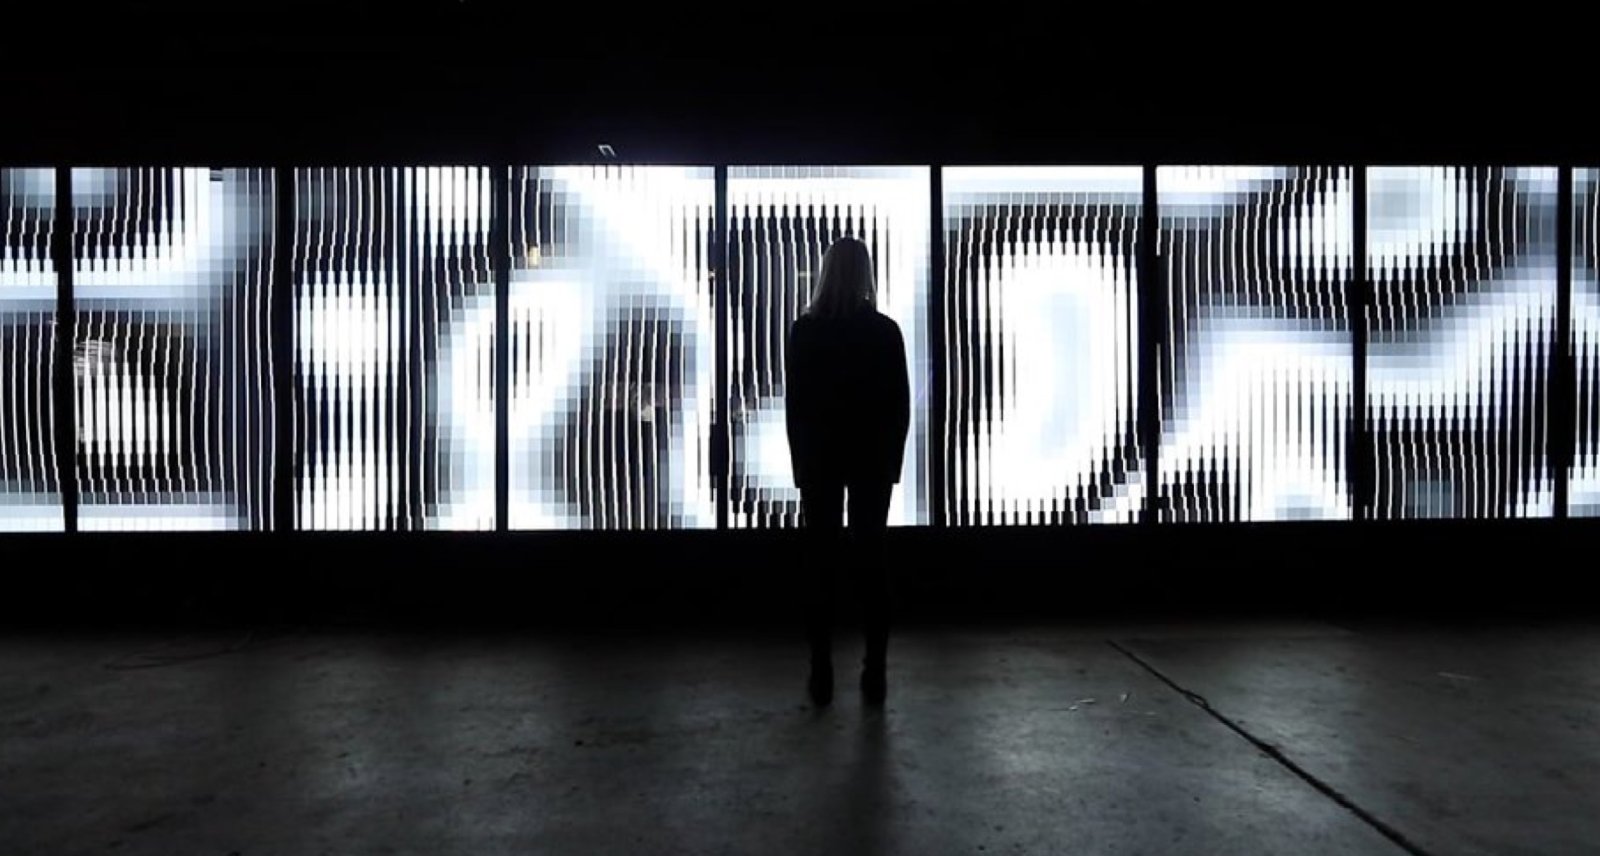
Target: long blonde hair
(846, 285)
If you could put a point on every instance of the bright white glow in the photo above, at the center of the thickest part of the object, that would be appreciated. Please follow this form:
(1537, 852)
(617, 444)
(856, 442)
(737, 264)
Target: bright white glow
(167, 517)
(176, 261)
(1061, 332)
(987, 184)
(766, 446)
(1412, 211)
(888, 208)
(343, 341)
(611, 348)
(466, 416)
(29, 497)
(117, 393)
(1258, 371)
(28, 211)
(394, 349)
(172, 360)
(1260, 382)
(1583, 488)
(1200, 190)
(1464, 271)
(21, 513)
(1039, 335)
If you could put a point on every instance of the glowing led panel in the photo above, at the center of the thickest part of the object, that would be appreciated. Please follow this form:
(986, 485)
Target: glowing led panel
(394, 325)
(612, 340)
(30, 496)
(780, 222)
(1583, 498)
(172, 275)
(1463, 269)
(1256, 378)
(1041, 361)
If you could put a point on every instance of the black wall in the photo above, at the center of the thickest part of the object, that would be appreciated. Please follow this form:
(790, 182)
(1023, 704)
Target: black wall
(466, 82)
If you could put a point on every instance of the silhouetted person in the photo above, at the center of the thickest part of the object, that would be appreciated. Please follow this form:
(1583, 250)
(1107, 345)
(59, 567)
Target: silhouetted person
(848, 400)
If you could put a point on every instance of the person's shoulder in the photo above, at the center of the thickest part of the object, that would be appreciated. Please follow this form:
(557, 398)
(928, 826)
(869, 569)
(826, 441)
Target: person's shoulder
(806, 330)
(884, 324)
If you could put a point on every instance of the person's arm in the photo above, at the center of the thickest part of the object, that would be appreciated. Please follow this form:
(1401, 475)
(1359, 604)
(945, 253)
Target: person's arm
(798, 402)
(899, 399)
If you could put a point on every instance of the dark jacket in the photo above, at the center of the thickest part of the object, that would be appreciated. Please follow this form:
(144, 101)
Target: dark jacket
(848, 399)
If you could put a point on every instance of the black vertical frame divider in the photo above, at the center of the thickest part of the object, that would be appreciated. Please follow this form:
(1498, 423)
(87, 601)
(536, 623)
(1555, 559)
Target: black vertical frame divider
(283, 349)
(61, 375)
(1151, 332)
(721, 303)
(938, 285)
(1561, 439)
(500, 185)
(1362, 473)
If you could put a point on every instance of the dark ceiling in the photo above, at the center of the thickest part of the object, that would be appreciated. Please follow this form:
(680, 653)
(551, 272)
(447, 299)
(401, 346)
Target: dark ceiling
(465, 80)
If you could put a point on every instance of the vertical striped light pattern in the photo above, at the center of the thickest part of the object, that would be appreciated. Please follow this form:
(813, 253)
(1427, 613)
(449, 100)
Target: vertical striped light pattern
(30, 496)
(172, 283)
(780, 222)
(1256, 379)
(1041, 357)
(394, 326)
(1583, 495)
(612, 340)
(1463, 267)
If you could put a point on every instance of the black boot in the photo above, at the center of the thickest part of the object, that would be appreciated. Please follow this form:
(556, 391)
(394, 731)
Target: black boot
(874, 681)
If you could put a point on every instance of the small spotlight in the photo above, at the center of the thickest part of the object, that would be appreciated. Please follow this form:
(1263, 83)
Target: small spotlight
(607, 152)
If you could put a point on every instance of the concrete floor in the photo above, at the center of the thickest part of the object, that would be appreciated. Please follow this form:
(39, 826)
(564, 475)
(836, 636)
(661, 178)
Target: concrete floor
(309, 743)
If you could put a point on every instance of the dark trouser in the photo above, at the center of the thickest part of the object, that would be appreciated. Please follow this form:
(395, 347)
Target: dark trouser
(859, 550)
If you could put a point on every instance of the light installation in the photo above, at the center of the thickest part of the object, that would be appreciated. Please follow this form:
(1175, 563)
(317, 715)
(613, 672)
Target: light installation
(1041, 360)
(1256, 373)
(780, 222)
(30, 495)
(611, 348)
(394, 325)
(1463, 269)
